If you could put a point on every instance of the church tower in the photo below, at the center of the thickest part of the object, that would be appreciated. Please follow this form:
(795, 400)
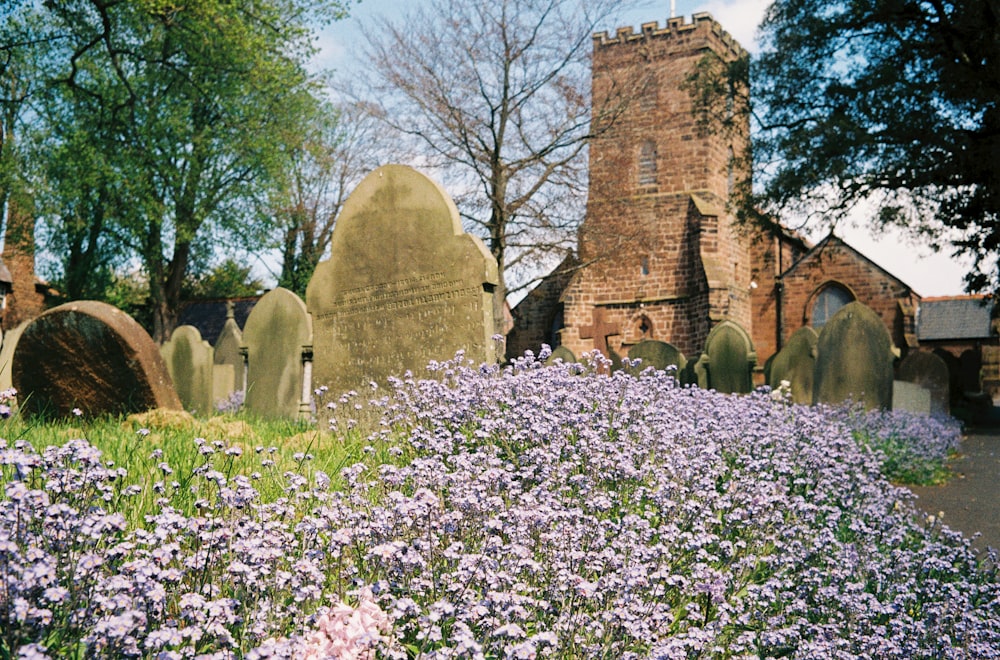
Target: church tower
(661, 256)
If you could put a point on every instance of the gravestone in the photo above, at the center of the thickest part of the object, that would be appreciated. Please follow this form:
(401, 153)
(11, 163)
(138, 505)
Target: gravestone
(403, 285)
(727, 363)
(560, 353)
(796, 363)
(10, 339)
(189, 360)
(276, 336)
(929, 371)
(911, 397)
(91, 356)
(657, 354)
(230, 370)
(854, 359)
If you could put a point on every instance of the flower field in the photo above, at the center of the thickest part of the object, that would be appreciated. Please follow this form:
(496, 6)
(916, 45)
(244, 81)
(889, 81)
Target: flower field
(521, 512)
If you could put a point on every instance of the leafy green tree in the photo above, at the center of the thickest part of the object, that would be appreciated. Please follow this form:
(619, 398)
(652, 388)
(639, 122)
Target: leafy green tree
(184, 105)
(892, 103)
(229, 279)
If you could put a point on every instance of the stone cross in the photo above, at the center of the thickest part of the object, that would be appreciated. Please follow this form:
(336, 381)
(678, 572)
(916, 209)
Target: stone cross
(599, 330)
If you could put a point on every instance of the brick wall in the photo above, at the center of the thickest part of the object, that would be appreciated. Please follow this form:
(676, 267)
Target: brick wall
(661, 256)
(771, 255)
(25, 300)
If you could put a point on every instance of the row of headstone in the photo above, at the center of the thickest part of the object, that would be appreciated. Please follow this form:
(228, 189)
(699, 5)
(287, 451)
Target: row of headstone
(726, 365)
(850, 359)
(265, 364)
(404, 286)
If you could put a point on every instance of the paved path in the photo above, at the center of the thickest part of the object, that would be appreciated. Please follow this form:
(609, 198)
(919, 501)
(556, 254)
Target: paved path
(971, 499)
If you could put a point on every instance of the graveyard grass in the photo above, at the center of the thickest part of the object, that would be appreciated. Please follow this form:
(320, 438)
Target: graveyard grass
(490, 512)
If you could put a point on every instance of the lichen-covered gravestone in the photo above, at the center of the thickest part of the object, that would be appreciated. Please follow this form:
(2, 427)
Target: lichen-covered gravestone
(90, 356)
(229, 373)
(277, 333)
(796, 363)
(403, 285)
(657, 354)
(929, 371)
(854, 359)
(189, 360)
(728, 360)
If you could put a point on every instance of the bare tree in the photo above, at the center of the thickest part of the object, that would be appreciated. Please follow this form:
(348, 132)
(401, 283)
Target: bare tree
(496, 96)
(333, 153)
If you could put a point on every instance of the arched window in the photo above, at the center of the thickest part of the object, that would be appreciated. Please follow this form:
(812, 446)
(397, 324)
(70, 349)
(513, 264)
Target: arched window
(827, 302)
(647, 163)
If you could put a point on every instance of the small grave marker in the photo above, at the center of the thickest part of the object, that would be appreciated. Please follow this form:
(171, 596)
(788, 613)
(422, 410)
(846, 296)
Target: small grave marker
(277, 334)
(796, 363)
(189, 360)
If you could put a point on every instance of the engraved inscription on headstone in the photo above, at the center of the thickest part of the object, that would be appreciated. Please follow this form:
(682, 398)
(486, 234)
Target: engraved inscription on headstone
(403, 285)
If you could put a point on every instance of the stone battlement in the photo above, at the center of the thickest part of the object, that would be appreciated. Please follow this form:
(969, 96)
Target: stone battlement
(701, 22)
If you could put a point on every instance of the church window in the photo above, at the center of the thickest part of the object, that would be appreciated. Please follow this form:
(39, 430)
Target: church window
(642, 328)
(828, 302)
(644, 266)
(647, 163)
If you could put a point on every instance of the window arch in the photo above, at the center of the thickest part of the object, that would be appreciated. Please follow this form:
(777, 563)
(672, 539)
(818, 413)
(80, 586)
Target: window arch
(647, 163)
(827, 302)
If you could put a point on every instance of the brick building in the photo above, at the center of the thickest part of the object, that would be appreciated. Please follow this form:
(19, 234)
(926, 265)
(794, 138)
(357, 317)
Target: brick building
(659, 256)
(26, 295)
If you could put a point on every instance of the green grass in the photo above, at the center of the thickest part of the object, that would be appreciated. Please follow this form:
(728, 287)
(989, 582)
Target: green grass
(262, 450)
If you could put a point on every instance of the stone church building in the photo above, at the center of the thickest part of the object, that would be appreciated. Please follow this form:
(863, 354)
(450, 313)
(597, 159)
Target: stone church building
(660, 256)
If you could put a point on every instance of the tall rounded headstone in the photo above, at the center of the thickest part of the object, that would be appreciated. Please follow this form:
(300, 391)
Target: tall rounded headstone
(854, 359)
(276, 334)
(90, 356)
(189, 360)
(657, 354)
(403, 285)
(729, 359)
(796, 363)
(929, 371)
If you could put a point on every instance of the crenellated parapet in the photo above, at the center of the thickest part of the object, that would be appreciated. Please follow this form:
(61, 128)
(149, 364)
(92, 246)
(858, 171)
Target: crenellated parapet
(701, 22)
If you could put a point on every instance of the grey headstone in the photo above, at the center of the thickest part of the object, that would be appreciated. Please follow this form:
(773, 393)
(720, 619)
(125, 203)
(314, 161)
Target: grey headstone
(277, 332)
(91, 356)
(403, 285)
(796, 363)
(911, 397)
(561, 353)
(929, 371)
(657, 354)
(227, 352)
(854, 359)
(189, 360)
(728, 360)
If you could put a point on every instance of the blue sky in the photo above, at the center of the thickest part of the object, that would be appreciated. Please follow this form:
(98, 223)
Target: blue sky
(927, 273)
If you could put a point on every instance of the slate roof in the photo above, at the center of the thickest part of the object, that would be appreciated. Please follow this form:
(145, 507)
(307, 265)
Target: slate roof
(955, 317)
(210, 315)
